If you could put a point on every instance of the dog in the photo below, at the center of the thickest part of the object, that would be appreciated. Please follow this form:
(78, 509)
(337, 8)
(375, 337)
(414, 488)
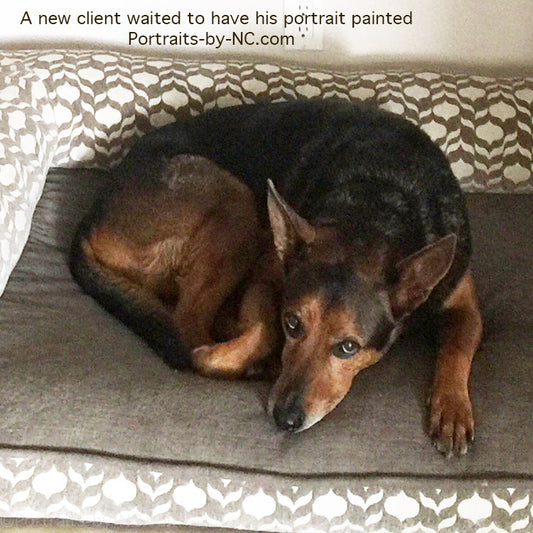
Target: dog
(317, 229)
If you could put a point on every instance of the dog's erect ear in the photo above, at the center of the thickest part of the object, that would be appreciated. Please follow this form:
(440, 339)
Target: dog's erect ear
(419, 274)
(288, 228)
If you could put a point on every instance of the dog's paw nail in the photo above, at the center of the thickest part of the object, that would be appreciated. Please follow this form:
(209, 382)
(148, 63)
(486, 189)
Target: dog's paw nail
(451, 426)
(200, 357)
(445, 448)
(201, 350)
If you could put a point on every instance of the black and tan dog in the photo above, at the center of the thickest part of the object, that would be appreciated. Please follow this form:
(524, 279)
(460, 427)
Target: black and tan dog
(369, 226)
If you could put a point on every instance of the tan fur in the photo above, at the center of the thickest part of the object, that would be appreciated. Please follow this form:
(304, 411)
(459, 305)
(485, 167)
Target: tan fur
(257, 325)
(309, 365)
(188, 243)
(192, 248)
(451, 418)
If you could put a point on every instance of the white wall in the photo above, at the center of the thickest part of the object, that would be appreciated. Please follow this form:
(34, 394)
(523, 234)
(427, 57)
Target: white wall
(482, 35)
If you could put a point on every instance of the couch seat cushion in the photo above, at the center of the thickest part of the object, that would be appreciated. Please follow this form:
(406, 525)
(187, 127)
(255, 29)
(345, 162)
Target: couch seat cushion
(72, 377)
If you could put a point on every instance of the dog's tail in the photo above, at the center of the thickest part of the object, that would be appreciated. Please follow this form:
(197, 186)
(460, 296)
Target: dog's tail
(137, 309)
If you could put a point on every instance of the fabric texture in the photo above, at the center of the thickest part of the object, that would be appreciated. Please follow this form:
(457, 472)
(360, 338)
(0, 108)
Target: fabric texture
(121, 491)
(96, 428)
(129, 440)
(86, 108)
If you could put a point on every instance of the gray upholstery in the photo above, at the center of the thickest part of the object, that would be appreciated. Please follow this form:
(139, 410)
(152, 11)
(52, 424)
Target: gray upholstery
(96, 428)
(72, 377)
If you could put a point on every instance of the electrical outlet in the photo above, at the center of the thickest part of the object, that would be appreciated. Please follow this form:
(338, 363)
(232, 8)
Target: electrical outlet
(306, 35)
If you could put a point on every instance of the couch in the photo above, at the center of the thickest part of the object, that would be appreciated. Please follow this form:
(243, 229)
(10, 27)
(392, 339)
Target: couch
(94, 428)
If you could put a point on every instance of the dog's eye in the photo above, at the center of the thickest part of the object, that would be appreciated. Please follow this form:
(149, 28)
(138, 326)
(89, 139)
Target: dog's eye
(293, 325)
(346, 349)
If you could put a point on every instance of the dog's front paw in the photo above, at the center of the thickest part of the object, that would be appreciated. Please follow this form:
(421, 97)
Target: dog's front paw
(202, 360)
(224, 360)
(451, 422)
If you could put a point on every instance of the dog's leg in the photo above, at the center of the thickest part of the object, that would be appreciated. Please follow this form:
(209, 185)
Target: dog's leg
(451, 420)
(201, 296)
(258, 326)
(216, 260)
(198, 304)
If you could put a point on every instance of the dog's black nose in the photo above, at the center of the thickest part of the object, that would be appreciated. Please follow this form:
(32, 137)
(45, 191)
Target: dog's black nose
(289, 419)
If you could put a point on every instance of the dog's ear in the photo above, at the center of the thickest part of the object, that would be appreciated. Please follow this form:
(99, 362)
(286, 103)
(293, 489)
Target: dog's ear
(288, 228)
(419, 274)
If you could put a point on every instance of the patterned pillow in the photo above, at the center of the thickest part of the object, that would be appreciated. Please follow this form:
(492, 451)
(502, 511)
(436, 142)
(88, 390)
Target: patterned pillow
(85, 108)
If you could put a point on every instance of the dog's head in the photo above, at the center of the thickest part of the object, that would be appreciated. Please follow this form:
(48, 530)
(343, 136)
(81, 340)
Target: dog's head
(340, 312)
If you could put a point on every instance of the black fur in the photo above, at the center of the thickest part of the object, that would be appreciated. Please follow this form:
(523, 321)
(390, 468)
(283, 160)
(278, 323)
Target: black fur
(375, 174)
(133, 311)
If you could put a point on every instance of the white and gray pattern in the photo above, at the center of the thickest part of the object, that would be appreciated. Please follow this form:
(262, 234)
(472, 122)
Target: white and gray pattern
(93, 488)
(86, 108)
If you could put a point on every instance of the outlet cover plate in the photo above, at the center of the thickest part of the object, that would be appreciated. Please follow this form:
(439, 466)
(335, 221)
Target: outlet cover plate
(307, 36)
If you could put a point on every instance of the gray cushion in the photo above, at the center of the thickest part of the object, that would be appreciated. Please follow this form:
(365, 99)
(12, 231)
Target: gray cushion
(73, 377)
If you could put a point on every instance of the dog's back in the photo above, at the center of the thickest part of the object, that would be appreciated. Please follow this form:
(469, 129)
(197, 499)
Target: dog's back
(374, 172)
